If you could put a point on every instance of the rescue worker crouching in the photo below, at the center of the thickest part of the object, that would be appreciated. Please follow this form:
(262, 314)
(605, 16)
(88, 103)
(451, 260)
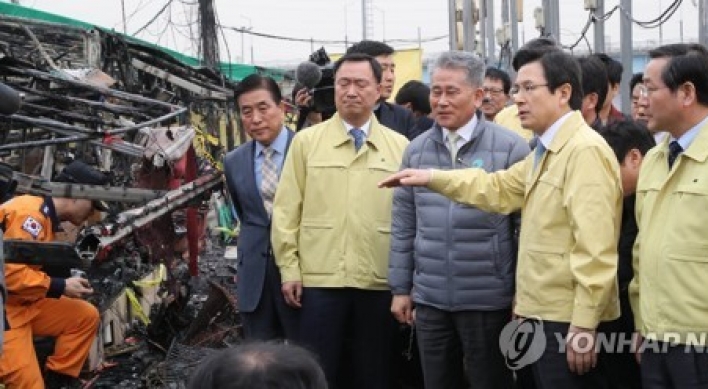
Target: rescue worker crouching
(40, 305)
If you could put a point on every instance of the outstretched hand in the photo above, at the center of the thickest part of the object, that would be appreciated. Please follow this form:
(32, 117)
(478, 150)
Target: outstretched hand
(407, 177)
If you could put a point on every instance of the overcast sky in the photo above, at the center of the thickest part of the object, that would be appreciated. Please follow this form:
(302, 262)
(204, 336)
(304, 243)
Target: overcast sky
(336, 20)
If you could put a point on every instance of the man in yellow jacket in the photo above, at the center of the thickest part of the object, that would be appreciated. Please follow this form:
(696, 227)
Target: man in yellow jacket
(331, 229)
(668, 292)
(569, 193)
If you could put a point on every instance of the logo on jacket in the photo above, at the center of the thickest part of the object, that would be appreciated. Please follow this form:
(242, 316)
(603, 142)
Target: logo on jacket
(32, 226)
(478, 163)
(522, 342)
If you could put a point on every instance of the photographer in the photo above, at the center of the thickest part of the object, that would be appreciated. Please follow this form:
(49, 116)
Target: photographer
(40, 305)
(314, 93)
(307, 115)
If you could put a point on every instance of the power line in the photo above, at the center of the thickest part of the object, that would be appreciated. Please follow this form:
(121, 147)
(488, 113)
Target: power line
(582, 33)
(658, 21)
(152, 20)
(322, 41)
(654, 23)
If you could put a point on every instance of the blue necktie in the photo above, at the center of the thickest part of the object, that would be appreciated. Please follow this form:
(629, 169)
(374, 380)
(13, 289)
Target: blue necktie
(358, 136)
(538, 154)
(674, 150)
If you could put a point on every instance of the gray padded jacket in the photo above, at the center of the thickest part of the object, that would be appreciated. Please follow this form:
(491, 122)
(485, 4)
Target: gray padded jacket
(451, 256)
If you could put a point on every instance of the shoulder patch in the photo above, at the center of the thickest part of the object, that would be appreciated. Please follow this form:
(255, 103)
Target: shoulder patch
(32, 226)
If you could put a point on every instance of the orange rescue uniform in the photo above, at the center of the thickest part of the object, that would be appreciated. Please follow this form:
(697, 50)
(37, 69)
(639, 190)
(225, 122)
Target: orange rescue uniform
(35, 305)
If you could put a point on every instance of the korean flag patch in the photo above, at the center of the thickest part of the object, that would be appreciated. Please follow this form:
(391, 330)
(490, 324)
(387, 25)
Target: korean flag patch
(32, 226)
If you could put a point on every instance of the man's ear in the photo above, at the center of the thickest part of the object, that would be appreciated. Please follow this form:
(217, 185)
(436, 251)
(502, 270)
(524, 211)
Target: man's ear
(615, 89)
(689, 93)
(633, 158)
(566, 92)
(478, 97)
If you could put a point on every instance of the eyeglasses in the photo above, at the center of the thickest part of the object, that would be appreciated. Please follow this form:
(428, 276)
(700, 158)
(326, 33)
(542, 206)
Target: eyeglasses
(645, 91)
(526, 88)
(493, 91)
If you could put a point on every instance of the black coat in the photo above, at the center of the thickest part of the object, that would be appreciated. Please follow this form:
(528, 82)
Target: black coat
(397, 118)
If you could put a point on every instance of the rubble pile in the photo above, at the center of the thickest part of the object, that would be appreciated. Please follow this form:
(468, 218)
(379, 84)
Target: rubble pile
(165, 353)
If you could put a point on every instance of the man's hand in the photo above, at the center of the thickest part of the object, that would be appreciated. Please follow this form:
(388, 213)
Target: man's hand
(303, 98)
(407, 177)
(292, 291)
(77, 287)
(580, 349)
(402, 308)
(637, 345)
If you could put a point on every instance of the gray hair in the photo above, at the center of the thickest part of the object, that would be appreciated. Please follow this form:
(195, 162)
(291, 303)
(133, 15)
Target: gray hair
(469, 62)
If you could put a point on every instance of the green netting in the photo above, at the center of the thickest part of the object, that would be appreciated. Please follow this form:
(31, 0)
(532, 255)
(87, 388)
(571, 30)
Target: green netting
(234, 71)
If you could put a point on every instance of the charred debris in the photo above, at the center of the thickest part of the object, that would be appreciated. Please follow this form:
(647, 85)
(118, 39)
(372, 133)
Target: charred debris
(158, 127)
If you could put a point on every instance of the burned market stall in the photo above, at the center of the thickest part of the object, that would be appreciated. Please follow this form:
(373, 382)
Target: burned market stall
(155, 125)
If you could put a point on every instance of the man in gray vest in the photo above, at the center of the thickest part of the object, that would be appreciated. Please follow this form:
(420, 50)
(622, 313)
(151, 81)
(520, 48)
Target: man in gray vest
(455, 262)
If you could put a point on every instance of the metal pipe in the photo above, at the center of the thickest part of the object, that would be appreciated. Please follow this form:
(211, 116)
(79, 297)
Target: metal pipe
(626, 47)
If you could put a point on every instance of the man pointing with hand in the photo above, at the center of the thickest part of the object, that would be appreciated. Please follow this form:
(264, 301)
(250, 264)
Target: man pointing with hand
(569, 193)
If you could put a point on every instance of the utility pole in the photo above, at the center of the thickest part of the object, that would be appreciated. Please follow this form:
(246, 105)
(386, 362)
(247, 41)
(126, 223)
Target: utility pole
(514, 16)
(505, 13)
(551, 16)
(367, 18)
(599, 27)
(626, 47)
(703, 22)
(468, 26)
(452, 23)
(483, 29)
(363, 20)
(491, 36)
(122, 6)
(207, 29)
(210, 58)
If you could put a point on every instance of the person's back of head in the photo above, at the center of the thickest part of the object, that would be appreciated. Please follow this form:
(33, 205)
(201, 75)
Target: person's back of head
(627, 135)
(630, 141)
(259, 366)
(416, 95)
(594, 81)
(614, 68)
(372, 48)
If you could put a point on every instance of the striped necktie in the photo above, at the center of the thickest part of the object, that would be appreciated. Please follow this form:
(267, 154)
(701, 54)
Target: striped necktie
(269, 179)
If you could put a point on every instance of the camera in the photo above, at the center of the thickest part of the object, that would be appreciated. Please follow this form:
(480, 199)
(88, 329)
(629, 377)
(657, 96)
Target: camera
(317, 75)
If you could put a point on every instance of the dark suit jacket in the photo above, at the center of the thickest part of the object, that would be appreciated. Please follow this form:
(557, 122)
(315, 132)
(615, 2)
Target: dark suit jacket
(397, 118)
(254, 236)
